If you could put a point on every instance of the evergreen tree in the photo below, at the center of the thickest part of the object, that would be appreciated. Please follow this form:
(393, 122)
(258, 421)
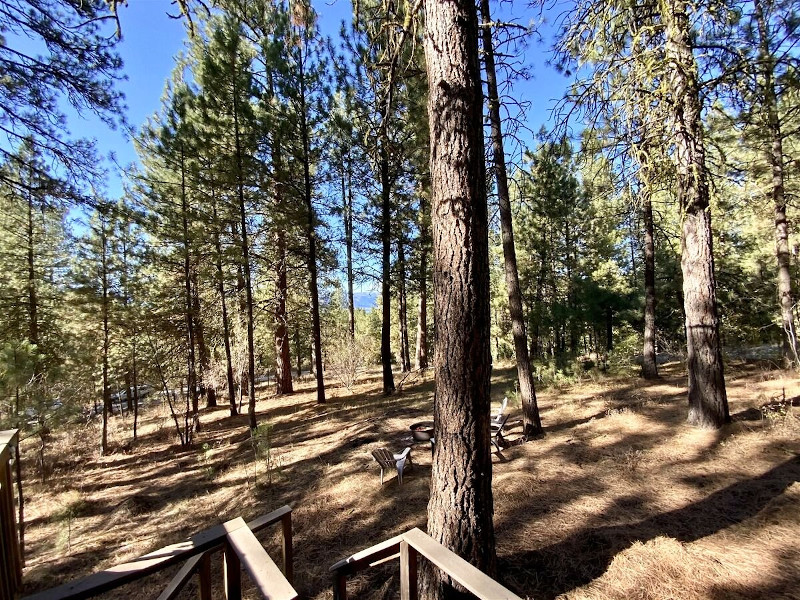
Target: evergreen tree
(708, 403)
(77, 64)
(532, 424)
(460, 507)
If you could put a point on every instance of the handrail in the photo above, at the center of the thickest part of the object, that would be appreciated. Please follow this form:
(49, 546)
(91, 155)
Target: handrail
(386, 550)
(8, 439)
(186, 572)
(243, 550)
(207, 541)
(10, 550)
(407, 546)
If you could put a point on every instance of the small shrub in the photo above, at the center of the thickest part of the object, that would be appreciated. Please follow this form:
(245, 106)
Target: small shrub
(347, 359)
(777, 413)
(261, 440)
(73, 506)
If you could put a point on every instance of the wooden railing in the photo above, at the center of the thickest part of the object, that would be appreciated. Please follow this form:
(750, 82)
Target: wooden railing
(10, 552)
(408, 547)
(240, 548)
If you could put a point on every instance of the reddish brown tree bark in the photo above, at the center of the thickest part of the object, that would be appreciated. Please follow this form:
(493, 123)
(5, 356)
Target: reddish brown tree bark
(708, 403)
(460, 507)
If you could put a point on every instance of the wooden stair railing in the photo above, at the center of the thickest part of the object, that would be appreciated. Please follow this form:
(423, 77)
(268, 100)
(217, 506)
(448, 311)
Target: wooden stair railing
(10, 552)
(408, 547)
(241, 550)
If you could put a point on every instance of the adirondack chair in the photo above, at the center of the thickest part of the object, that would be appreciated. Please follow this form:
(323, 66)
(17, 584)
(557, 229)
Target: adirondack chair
(496, 433)
(500, 412)
(388, 460)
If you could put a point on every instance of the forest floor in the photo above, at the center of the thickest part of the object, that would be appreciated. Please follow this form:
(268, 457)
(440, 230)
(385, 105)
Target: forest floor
(620, 498)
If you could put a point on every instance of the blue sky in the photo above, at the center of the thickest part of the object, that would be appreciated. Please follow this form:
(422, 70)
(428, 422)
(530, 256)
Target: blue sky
(151, 39)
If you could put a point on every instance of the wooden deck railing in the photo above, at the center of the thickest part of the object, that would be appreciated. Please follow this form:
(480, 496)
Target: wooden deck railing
(240, 548)
(10, 552)
(408, 547)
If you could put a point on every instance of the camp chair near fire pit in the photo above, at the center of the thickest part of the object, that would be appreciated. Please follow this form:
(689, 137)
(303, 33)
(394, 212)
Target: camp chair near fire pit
(500, 412)
(496, 432)
(388, 460)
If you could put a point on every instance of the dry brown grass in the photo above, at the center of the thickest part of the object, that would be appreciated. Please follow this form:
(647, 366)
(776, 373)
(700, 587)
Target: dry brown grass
(619, 500)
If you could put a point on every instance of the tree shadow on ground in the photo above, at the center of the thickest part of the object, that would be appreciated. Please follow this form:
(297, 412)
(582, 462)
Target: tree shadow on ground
(340, 507)
(584, 556)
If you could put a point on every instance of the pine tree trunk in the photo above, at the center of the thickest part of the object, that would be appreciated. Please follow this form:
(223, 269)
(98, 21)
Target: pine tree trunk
(461, 506)
(708, 403)
(532, 424)
(128, 392)
(774, 154)
(422, 311)
(226, 330)
(405, 352)
(348, 238)
(135, 361)
(191, 380)
(631, 242)
(283, 365)
(298, 353)
(240, 296)
(33, 301)
(386, 240)
(649, 364)
(106, 336)
(536, 344)
(311, 232)
(248, 283)
(202, 348)
(569, 262)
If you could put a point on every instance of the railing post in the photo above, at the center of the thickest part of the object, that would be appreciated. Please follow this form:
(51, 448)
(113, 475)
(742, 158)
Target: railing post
(339, 586)
(288, 553)
(408, 572)
(21, 509)
(204, 577)
(7, 574)
(14, 535)
(232, 573)
(10, 554)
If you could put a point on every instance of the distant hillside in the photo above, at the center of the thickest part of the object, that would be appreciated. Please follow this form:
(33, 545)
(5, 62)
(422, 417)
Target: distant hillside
(365, 300)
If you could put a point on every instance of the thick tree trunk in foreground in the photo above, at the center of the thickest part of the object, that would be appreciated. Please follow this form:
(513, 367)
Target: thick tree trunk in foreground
(649, 365)
(708, 403)
(532, 424)
(460, 507)
(774, 152)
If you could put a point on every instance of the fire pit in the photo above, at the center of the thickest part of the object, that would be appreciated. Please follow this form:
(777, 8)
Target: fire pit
(422, 432)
